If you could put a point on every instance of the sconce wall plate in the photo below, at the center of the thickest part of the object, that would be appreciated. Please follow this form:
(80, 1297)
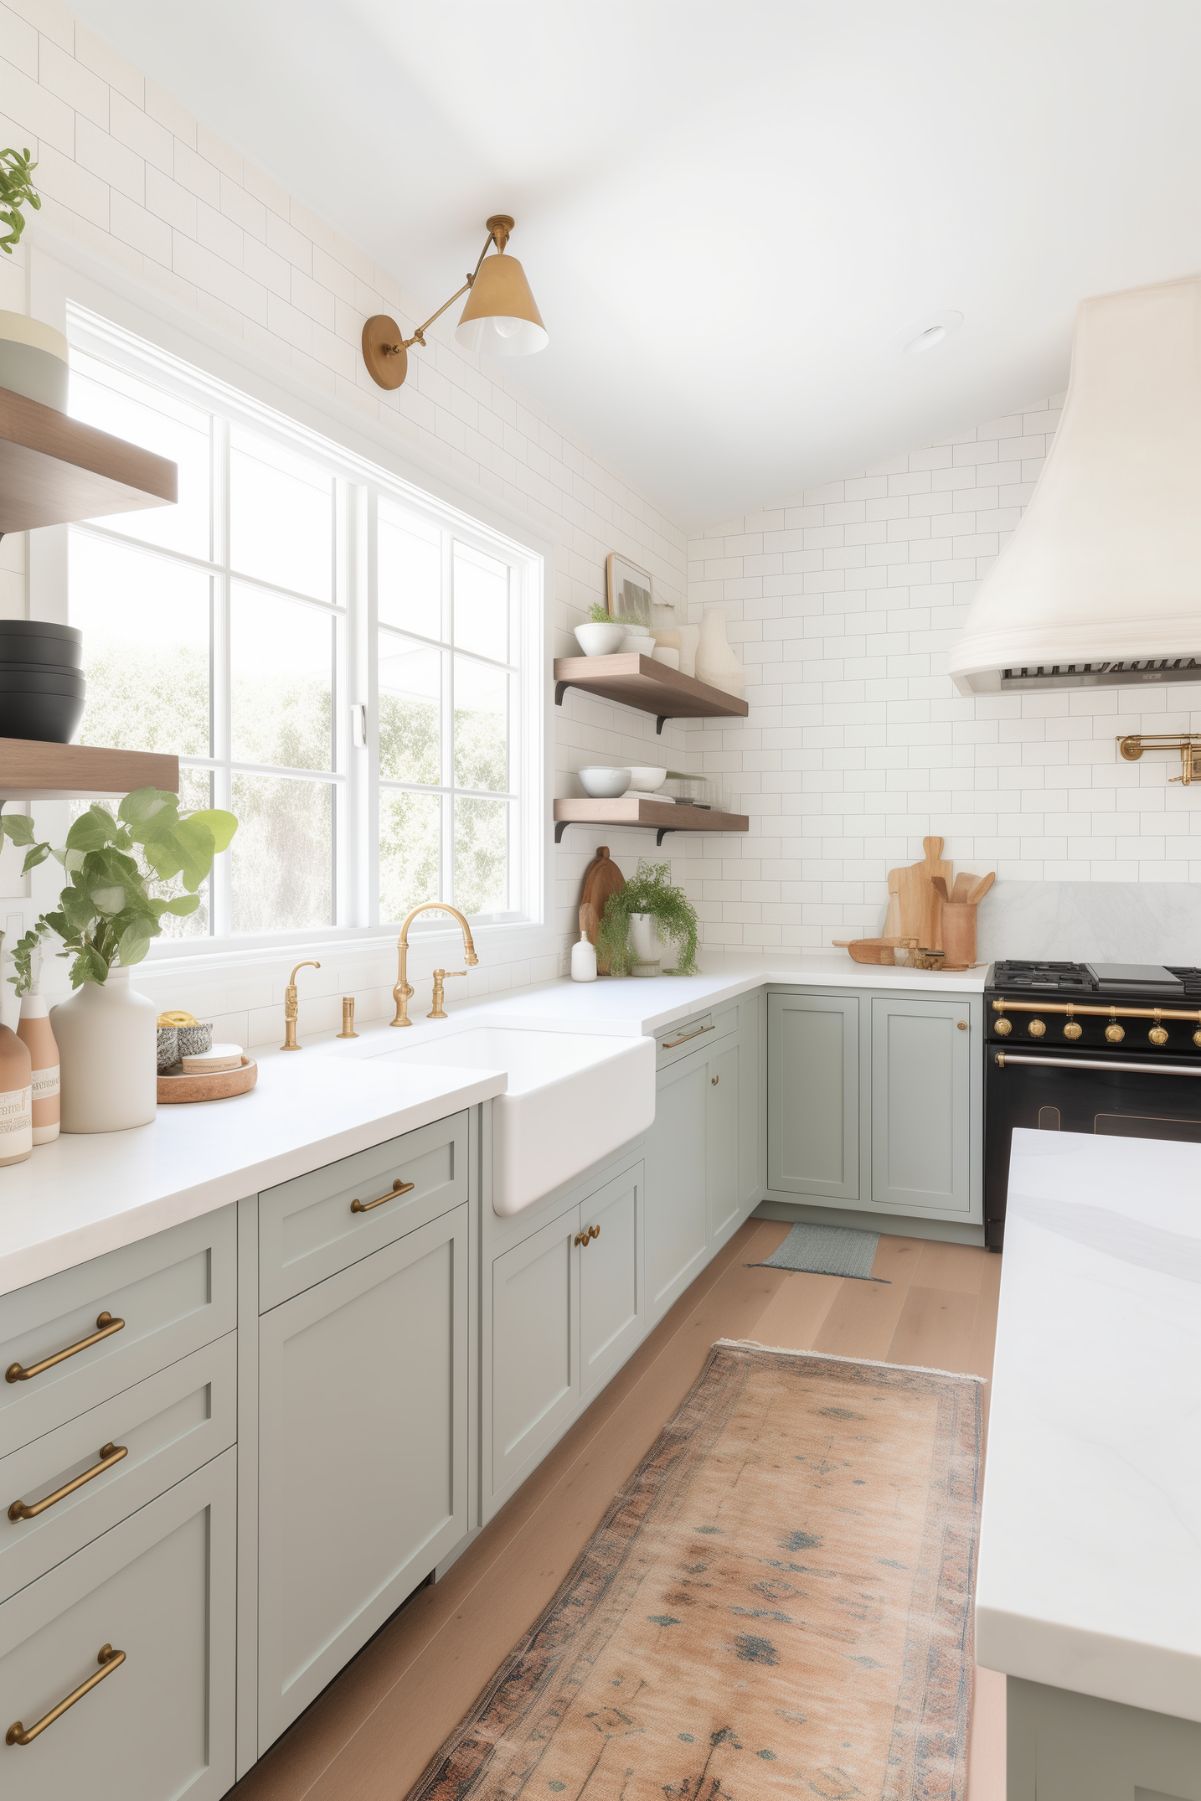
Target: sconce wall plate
(384, 351)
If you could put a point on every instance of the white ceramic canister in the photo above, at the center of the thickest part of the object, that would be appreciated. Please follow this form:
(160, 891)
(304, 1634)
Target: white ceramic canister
(107, 1043)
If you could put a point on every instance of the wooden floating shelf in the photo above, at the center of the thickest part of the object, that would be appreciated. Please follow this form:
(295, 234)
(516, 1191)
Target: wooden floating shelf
(645, 683)
(54, 469)
(662, 816)
(33, 770)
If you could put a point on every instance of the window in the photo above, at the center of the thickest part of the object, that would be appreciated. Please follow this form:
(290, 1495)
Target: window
(350, 666)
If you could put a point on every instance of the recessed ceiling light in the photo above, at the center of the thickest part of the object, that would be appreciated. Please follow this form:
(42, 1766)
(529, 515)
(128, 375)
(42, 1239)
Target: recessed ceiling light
(933, 333)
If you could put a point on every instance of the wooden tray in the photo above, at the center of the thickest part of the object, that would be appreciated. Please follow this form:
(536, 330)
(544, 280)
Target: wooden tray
(219, 1085)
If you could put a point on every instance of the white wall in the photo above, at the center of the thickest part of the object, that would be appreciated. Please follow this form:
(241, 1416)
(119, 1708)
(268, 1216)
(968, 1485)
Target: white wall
(138, 193)
(842, 607)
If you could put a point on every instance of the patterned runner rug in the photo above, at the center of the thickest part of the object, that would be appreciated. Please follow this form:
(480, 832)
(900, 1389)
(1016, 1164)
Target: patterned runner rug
(778, 1603)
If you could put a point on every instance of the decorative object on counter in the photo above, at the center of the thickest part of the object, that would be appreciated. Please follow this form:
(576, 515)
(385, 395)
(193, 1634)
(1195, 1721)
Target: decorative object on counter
(629, 591)
(42, 685)
(583, 959)
(16, 193)
(600, 635)
(601, 879)
(402, 993)
(716, 662)
(214, 1061)
(16, 1094)
(500, 314)
(292, 1006)
(917, 909)
(120, 869)
(602, 783)
(881, 951)
(217, 1085)
(36, 1033)
(348, 1030)
(1188, 744)
(650, 892)
(196, 1038)
(646, 946)
(168, 1048)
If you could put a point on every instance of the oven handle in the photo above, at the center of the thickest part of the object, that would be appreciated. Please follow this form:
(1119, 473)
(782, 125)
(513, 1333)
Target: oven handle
(1005, 1059)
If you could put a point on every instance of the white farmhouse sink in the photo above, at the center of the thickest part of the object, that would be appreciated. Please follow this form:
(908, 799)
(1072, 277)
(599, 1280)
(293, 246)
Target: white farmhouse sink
(571, 1100)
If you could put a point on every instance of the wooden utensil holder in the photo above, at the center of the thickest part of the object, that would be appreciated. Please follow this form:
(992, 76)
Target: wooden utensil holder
(959, 933)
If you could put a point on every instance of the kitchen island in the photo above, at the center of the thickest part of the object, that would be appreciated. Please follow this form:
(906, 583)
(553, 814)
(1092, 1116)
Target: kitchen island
(1089, 1588)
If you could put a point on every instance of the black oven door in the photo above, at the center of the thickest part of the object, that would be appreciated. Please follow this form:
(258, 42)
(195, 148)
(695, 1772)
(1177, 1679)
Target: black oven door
(1054, 1091)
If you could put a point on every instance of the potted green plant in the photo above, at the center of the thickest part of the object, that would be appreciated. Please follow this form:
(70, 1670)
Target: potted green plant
(601, 635)
(16, 192)
(124, 872)
(640, 916)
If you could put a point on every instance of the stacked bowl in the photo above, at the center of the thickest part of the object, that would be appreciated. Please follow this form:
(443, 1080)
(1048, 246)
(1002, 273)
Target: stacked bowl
(41, 680)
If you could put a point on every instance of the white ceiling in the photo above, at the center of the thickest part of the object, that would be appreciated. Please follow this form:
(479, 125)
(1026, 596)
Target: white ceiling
(732, 215)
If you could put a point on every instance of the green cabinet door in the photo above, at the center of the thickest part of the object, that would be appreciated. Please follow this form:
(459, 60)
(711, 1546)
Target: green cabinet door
(612, 1300)
(677, 1208)
(813, 1096)
(921, 1112)
(534, 1380)
(723, 1142)
(363, 1446)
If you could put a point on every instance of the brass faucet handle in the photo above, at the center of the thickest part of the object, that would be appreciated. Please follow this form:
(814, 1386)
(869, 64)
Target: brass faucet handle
(441, 977)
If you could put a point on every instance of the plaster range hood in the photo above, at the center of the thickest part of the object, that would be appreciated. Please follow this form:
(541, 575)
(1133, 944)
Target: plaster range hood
(1101, 582)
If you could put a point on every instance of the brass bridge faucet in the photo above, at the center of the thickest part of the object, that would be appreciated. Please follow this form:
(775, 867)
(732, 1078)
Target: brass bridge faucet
(402, 994)
(292, 1008)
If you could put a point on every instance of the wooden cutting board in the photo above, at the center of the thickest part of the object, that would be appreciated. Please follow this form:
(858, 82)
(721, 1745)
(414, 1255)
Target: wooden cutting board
(601, 879)
(918, 906)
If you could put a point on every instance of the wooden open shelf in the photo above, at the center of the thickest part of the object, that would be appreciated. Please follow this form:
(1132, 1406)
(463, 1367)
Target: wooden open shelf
(662, 816)
(32, 770)
(53, 469)
(645, 683)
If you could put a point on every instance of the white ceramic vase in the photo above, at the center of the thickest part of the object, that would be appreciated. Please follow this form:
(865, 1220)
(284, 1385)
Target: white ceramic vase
(646, 946)
(33, 360)
(107, 1049)
(715, 660)
(689, 636)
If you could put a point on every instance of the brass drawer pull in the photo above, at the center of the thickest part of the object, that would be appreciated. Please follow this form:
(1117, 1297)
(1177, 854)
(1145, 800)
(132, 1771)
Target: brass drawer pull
(109, 1456)
(669, 1044)
(106, 1325)
(594, 1231)
(398, 1187)
(108, 1659)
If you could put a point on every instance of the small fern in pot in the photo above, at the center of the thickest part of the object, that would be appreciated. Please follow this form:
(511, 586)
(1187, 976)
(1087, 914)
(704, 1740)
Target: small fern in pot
(650, 892)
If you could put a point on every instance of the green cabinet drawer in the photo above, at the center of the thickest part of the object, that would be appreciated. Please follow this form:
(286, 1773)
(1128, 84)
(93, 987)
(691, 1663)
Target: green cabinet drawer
(70, 1486)
(317, 1224)
(145, 1616)
(78, 1338)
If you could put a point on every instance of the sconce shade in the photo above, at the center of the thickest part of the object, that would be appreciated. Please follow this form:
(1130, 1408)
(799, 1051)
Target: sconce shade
(500, 315)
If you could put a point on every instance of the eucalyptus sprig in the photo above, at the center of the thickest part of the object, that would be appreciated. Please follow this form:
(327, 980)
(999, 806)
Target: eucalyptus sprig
(108, 913)
(649, 891)
(22, 955)
(16, 191)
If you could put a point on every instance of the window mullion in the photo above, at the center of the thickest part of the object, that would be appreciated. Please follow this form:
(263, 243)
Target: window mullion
(220, 681)
(448, 719)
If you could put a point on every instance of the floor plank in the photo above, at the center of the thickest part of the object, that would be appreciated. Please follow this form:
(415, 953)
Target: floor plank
(373, 1730)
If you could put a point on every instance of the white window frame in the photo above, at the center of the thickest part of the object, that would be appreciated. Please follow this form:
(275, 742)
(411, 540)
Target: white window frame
(361, 482)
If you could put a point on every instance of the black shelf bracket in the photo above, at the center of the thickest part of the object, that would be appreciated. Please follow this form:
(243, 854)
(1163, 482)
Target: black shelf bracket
(561, 826)
(661, 834)
(560, 690)
(660, 722)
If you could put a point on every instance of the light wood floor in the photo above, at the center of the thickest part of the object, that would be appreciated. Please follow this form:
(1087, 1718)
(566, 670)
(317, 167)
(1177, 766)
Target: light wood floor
(368, 1737)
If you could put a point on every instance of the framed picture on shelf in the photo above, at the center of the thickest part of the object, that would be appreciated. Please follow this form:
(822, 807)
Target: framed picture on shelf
(628, 591)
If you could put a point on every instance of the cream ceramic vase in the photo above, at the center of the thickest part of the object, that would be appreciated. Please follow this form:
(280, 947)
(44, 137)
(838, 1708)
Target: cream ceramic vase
(646, 946)
(107, 1047)
(715, 660)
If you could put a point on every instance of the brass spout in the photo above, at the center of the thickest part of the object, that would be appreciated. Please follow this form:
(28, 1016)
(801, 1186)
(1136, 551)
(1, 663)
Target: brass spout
(402, 994)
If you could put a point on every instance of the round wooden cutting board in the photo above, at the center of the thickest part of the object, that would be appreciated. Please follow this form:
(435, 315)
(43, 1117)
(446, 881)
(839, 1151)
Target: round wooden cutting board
(601, 879)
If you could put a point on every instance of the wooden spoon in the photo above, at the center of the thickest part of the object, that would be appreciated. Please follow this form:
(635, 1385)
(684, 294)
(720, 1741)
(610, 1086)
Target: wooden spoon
(939, 885)
(981, 888)
(963, 884)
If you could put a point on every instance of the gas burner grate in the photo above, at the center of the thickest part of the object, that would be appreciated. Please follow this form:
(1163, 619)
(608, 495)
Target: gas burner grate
(1044, 978)
(1191, 979)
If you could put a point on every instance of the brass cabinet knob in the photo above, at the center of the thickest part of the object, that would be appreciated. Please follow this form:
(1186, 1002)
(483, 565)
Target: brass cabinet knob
(1114, 1033)
(961, 1025)
(1158, 1035)
(1197, 1039)
(1003, 1027)
(1037, 1028)
(1073, 1030)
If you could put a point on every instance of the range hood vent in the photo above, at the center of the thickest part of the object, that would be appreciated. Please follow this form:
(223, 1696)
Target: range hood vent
(1100, 584)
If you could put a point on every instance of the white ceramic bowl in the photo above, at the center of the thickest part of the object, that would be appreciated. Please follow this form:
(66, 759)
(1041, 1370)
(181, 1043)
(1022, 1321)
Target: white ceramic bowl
(640, 641)
(604, 784)
(646, 777)
(596, 639)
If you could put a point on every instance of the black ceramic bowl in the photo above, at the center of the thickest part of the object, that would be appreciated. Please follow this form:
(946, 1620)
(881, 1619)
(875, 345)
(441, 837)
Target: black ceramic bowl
(39, 641)
(51, 718)
(15, 672)
(41, 680)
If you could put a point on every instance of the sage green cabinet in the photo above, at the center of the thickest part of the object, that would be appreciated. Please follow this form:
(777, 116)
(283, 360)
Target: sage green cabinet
(814, 1085)
(155, 1595)
(363, 1455)
(677, 1204)
(922, 1053)
(611, 1277)
(535, 1343)
(724, 1153)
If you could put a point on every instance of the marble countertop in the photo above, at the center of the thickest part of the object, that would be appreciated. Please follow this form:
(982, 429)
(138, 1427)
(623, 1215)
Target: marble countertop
(1090, 1560)
(88, 1194)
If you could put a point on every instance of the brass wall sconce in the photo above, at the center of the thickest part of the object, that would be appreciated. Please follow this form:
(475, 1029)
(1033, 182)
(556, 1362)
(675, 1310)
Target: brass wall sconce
(1132, 746)
(500, 315)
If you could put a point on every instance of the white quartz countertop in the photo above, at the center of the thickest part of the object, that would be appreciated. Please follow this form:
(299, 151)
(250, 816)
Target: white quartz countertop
(85, 1195)
(1090, 1559)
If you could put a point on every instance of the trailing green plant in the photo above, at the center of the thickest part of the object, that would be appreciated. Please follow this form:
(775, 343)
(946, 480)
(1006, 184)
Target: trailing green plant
(650, 890)
(16, 192)
(23, 953)
(121, 872)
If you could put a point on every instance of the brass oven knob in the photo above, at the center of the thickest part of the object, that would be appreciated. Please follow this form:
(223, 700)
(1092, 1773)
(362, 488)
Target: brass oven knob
(1073, 1030)
(1197, 1040)
(1003, 1027)
(1158, 1034)
(1037, 1028)
(1114, 1033)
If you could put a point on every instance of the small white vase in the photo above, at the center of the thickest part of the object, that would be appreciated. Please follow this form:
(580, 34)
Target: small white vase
(715, 660)
(107, 1048)
(689, 636)
(646, 946)
(596, 639)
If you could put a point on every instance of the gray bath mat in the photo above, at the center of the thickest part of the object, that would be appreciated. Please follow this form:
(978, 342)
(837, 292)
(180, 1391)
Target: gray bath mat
(826, 1251)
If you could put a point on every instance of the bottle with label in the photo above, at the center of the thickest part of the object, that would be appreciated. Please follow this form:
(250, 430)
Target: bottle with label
(16, 1099)
(37, 1035)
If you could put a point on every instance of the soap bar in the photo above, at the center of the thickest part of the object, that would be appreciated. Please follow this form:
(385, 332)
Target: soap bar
(212, 1062)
